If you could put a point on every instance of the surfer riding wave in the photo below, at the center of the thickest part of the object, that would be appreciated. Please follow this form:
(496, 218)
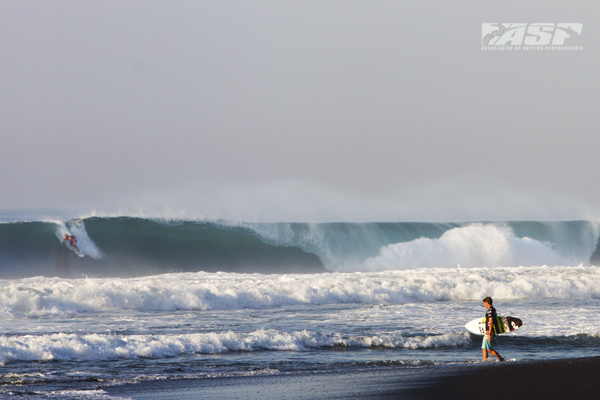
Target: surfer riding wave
(71, 241)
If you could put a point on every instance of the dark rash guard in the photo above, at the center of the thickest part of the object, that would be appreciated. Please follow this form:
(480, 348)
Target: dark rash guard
(490, 313)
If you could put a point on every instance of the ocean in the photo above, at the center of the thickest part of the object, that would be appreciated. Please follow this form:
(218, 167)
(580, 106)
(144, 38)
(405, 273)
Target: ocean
(166, 299)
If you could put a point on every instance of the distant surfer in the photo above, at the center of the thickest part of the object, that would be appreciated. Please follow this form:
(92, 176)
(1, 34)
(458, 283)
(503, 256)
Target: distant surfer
(490, 318)
(71, 240)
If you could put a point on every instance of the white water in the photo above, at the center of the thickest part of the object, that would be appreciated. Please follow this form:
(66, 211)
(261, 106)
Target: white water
(475, 245)
(231, 291)
(106, 331)
(90, 347)
(358, 247)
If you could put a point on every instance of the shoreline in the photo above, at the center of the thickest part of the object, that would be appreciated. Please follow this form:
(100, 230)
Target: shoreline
(357, 384)
(548, 379)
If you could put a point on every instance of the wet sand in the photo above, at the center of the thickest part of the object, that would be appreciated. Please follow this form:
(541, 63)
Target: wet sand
(368, 384)
(552, 379)
(577, 378)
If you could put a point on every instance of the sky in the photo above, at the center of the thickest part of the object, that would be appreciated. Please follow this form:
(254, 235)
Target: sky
(297, 110)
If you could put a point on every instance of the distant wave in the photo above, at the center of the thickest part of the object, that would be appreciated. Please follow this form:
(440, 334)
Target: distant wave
(394, 246)
(127, 247)
(135, 247)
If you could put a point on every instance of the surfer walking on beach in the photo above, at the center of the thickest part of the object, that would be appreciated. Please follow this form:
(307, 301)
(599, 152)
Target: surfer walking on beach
(490, 318)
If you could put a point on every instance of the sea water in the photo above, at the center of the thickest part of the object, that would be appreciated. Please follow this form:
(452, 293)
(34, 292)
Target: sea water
(165, 299)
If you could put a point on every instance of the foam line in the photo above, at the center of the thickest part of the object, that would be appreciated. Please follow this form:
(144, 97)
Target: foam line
(34, 297)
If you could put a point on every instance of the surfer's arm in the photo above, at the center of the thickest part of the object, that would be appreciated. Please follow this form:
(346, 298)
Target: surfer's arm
(488, 331)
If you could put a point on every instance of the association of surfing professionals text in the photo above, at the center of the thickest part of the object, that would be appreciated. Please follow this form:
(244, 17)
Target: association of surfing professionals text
(504, 36)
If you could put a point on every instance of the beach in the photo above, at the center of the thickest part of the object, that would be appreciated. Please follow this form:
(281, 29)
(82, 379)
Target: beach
(547, 379)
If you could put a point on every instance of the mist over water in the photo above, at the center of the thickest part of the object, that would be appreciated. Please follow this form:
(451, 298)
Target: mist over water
(298, 200)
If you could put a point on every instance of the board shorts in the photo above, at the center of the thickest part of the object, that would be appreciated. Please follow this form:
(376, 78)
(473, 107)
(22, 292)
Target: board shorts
(486, 345)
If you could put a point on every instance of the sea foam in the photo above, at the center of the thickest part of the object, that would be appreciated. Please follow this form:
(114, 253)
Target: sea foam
(476, 245)
(90, 347)
(38, 297)
(396, 246)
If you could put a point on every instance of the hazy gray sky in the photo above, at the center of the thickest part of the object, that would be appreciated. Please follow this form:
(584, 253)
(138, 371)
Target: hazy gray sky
(297, 110)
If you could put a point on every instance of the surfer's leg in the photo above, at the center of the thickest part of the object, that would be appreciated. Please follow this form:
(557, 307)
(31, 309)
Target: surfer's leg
(485, 347)
(495, 353)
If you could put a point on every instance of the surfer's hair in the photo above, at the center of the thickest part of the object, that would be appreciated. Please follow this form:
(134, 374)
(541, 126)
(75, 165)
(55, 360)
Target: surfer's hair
(488, 300)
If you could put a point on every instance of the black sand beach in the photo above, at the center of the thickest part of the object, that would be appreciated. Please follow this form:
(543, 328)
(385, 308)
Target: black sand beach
(552, 379)
(375, 384)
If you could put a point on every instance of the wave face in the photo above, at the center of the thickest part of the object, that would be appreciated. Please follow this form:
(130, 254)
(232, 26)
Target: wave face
(128, 247)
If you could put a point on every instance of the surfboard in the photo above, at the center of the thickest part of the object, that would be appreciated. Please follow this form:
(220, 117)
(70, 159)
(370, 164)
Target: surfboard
(501, 325)
(75, 249)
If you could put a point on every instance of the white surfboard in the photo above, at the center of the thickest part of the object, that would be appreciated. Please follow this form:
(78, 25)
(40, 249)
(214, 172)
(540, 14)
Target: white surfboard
(502, 325)
(75, 249)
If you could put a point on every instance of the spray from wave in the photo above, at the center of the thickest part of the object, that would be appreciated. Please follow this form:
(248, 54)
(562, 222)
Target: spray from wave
(84, 242)
(475, 245)
(397, 246)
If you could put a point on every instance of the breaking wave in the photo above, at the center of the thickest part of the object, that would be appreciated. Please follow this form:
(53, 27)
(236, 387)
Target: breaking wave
(42, 297)
(91, 347)
(127, 247)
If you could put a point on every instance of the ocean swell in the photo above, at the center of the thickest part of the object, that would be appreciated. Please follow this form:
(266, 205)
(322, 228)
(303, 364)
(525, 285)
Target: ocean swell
(129, 247)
